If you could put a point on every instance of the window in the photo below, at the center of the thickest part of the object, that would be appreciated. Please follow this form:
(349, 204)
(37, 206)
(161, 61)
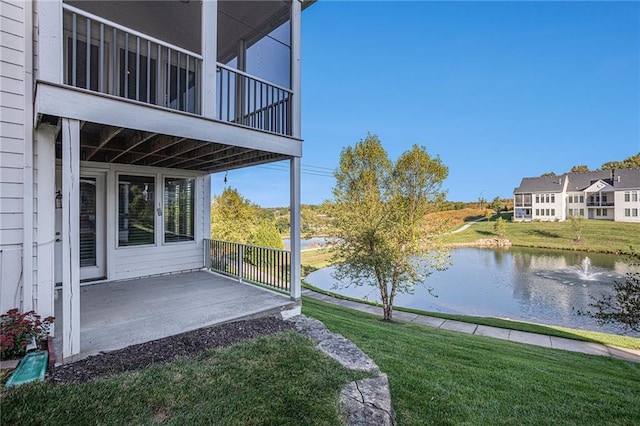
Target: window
(136, 213)
(553, 198)
(179, 196)
(627, 196)
(553, 212)
(137, 83)
(627, 212)
(547, 212)
(537, 198)
(571, 198)
(604, 212)
(546, 198)
(634, 196)
(537, 212)
(634, 212)
(582, 198)
(581, 212)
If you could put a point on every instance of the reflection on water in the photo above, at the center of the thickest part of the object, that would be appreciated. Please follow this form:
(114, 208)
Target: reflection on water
(541, 286)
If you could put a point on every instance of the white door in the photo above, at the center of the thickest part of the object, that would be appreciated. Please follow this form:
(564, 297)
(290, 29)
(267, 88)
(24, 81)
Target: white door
(92, 226)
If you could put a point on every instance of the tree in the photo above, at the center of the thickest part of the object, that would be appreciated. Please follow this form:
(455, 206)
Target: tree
(577, 225)
(632, 162)
(549, 174)
(624, 306)
(384, 239)
(233, 218)
(499, 228)
(266, 234)
(579, 169)
(497, 204)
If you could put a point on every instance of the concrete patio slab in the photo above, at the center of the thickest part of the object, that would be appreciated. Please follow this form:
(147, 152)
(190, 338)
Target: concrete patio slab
(114, 315)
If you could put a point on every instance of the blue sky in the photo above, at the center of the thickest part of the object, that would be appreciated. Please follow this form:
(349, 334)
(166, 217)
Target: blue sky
(498, 90)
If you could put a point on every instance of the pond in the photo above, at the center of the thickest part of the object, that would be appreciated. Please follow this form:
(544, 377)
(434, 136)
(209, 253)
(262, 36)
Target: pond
(540, 286)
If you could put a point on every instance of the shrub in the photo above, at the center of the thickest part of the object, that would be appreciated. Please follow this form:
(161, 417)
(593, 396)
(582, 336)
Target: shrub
(18, 329)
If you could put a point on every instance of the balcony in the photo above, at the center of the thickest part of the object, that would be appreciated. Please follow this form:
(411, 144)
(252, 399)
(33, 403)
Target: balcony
(600, 203)
(106, 57)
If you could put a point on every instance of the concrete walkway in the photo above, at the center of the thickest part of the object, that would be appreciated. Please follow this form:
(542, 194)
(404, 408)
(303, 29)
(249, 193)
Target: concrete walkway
(488, 331)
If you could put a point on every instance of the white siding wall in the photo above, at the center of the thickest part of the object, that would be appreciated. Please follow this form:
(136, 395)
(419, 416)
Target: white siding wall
(539, 209)
(621, 205)
(12, 149)
(141, 261)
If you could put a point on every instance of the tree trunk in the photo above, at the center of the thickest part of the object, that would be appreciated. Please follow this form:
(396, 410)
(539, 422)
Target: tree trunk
(388, 311)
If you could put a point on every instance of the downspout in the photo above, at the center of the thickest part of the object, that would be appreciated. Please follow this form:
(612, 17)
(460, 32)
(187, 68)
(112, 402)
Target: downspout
(27, 196)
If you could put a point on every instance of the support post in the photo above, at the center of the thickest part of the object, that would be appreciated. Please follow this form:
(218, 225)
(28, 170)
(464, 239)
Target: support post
(209, 57)
(45, 144)
(240, 262)
(294, 220)
(296, 80)
(70, 237)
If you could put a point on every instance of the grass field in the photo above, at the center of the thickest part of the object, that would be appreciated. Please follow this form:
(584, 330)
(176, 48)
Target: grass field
(436, 377)
(597, 235)
(442, 377)
(274, 380)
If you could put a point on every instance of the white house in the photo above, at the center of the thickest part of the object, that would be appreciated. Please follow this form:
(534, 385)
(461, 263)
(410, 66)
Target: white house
(604, 195)
(114, 114)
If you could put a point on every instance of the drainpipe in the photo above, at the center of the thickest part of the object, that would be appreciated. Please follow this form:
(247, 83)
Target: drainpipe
(27, 195)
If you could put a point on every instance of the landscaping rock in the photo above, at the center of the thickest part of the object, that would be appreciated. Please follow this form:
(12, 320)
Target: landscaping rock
(365, 402)
(368, 402)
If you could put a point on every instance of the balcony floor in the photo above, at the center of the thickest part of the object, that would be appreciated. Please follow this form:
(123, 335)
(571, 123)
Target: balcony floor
(114, 315)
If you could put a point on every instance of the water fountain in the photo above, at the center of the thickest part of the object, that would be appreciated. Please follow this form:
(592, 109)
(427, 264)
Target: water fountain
(586, 262)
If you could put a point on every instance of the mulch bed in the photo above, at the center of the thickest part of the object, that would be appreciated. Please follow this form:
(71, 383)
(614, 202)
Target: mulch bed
(160, 351)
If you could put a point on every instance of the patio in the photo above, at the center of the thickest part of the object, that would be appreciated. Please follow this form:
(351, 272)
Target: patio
(114, 315)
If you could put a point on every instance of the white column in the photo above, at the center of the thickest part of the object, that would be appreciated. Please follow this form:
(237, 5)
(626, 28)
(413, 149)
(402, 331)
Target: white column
(294, 220)
(70, 237)
(45, 144)
(50, 40)
(296, 14)
(210, 56)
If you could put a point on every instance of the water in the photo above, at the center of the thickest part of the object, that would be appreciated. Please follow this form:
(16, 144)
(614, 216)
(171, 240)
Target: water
(541, 286)
(309, 243)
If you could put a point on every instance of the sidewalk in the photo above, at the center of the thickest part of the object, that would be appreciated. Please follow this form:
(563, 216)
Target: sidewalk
(488, 331)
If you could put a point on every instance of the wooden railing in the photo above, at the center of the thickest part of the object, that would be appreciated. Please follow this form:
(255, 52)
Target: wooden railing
(261, 265)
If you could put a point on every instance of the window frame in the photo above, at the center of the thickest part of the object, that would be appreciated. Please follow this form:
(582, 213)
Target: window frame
(118, 176)
(164, 178)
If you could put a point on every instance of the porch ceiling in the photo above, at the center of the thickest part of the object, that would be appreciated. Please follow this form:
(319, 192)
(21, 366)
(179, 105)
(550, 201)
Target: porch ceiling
(108, 144)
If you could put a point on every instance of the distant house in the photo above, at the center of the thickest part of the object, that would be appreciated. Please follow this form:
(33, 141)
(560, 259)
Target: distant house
(601, 195)
(114, 115)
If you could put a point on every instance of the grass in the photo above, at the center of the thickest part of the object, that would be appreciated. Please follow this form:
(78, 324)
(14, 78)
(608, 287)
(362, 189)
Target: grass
(442, 377)
(547, 330)
(312, 260)
(597, 235)
(280, 380)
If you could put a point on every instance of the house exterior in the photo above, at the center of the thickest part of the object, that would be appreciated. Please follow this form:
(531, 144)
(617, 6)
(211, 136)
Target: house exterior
(600, 195)
(114, 115)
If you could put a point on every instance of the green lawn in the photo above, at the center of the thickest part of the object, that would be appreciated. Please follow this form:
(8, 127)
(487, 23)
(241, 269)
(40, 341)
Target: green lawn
(279, 380)
(442, 377)
(597, 235)
(548, 330)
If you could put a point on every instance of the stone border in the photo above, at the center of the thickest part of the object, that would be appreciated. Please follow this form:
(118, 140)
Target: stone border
(366, 401)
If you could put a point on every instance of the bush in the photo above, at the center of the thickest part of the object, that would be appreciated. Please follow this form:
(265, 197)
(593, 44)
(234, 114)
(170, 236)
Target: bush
(18, 329)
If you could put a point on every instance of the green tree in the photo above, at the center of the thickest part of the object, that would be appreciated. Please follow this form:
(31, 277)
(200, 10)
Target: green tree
(266, 234)
(577, 225)
(624, 306)
(579, 169)
(497, 204)
(488, 214)
(380, 208)
(233, 218)
(549, 174)
(499, 228)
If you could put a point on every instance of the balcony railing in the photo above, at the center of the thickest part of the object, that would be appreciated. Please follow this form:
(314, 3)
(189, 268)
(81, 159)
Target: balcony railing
(106, 57)
(600, 204)
(252, 102)
(261, 265)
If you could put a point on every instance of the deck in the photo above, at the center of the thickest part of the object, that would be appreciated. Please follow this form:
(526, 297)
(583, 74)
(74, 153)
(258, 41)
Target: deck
(114, 315)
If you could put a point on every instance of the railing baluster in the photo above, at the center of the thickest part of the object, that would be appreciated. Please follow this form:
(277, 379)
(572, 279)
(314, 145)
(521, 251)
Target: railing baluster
(87, 82)
(168, 94)
(74, 50)
(101, 61)
(137, 68)
(126, 65)
(148, 91)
